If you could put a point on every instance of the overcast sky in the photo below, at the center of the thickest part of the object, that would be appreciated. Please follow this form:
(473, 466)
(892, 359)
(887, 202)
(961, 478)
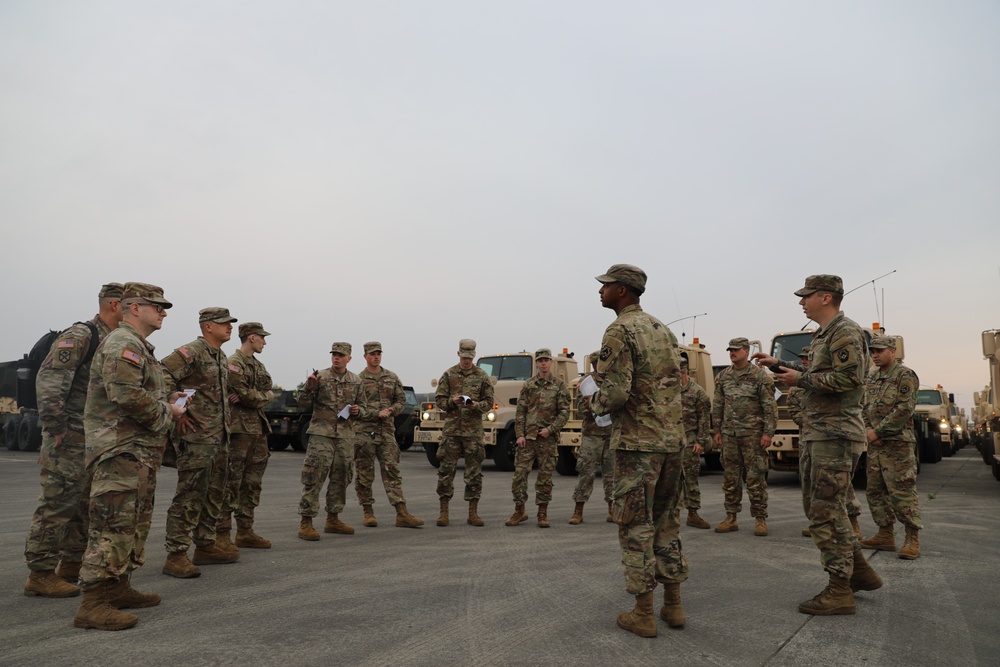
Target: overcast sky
(421, 172)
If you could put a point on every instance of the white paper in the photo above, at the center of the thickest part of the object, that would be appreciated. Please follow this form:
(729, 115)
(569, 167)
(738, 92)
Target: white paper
(182, 401)
(345, 413)
(777, 393)
(602, 420)
(467, 400)
(587, 386)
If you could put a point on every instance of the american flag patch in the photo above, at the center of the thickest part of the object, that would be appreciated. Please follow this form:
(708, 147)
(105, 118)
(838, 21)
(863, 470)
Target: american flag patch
(184, 352)
(66, 344)
(233, 368)
(130, 356)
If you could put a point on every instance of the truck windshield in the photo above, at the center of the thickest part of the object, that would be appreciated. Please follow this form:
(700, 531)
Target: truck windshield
(507, 368)
(928, 397)
(411, 397)
(787, 347)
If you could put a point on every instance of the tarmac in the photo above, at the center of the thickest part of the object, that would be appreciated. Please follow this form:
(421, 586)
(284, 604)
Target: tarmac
(462, 595)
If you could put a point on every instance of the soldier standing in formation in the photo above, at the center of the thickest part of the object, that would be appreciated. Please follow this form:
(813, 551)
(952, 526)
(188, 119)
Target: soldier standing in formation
(640, 387)
(744, 416)
(543, 407)
(376, 439)
(337, 400)
(464, 394)
(127, 419)
(58, 535)
(892, 465)
(249, 393)
(595, 454)
(697, 416)
(832, 428)
(201, 442)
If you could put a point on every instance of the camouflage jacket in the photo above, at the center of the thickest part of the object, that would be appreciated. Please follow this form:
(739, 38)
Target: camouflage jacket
(127, 410)
(62, 380)
(542, 403)
(474, 383)
(890, 397)
(382, 390)
(833, 386)
(588, 425)
(744, 402)
(697, 413)
(250, 381)
(200, 366)
(640, 377)
(331, 394)
(793, 401)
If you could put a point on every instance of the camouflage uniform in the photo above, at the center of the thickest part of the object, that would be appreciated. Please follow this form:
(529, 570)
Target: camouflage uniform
(202, 455)
(891, 396)
(743, 411)
(640, 387)
(59, 524)
(462, 434)
(542, 403)
(376, 437)
(697, 417)
(331, 439)
(594, 454)
(248, 452)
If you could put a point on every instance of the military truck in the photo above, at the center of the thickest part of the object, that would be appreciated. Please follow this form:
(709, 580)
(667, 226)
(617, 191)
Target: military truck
(932, 415)
(20, 426)
(991, 444)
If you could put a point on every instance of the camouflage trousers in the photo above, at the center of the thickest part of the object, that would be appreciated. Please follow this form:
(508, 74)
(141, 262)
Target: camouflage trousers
(691, 463)
(59, 524)
(327, 457)
(826, 468)
(595, 454)
(647, 511)
(892, 484)
(248, 455)
(743, 453)
(193, 515)
(368, 448)
(121, 512)
(545, 451)
(453, 448)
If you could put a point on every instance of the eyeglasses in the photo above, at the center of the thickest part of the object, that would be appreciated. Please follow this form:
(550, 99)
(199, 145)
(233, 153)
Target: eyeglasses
(159, 309)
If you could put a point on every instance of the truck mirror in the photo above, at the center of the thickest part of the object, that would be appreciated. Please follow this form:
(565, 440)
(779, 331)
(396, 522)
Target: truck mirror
(951, 398)
(989, 343)
(434, 382)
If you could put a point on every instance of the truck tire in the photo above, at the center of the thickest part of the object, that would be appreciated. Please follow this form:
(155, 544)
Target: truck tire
(29, 436)
(276, 442)
(566, 463)
(404, 442)
(505, 450)
(860, 479)
(10, 426)
(947, 448)
(713, 461)
(995, 467)
(431, 449)
(301, 443)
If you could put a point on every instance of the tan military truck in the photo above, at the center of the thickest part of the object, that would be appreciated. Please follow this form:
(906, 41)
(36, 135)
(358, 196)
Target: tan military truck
(991, 444)
(933, 412)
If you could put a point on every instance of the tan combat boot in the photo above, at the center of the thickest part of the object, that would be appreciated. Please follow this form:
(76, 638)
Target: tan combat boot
(577, 517)
(883, 540)
(806, 532)
(179, 566)
(543, 515)
(224, 543)
(836, 599)
(672, 611)
(335, 525)
(640, 620)
(370, 521)
(696, 521)
(729, 525)
(406, 520)
(45, 583)
(855, 526)
(68, 571)
(610, 518)
(864, 577)
(213, 555)
(474, 518)
(443, 516)
(121, 595)
(247, 539)
(306, 530)
(95, 611)
(911, 545)
(519, 515)
(760, 526)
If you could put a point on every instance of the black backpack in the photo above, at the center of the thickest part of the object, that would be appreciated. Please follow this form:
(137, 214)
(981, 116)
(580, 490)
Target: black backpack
(27, 368)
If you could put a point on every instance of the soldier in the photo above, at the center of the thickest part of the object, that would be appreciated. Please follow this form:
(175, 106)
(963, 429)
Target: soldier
(464, 394)
(201, 441)
(127, 418)
(832, 427)
(58, 535)
(249, 393)
(337, 400)
(697, 412)
(595, 454)
(640, 388)
(744, 416)
(892, 465)
(542, 410)
(376, 439)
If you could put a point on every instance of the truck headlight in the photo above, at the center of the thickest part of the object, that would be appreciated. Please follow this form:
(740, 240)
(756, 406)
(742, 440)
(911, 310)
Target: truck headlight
(944, 426)
(491, 416)
(425, 416)
(958, 428)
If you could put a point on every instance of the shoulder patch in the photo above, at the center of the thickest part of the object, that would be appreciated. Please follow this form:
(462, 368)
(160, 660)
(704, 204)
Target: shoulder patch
(132, 357)
(63, 356)
(605, 353)
(844, 354)
(184, 352)
(233, 368)
(904, 388)
(66, 344)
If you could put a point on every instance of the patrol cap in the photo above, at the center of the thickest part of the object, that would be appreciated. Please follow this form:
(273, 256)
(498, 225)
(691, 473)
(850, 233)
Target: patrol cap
(738, 344)
(341, 348)
(111, 291)
(543, 353)
(373, 346)
(467, 348)
(216, 315)
(252, 328)
(805, 352)
(882, 342)
(626, 274)
(144, 293)
(822, 283)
